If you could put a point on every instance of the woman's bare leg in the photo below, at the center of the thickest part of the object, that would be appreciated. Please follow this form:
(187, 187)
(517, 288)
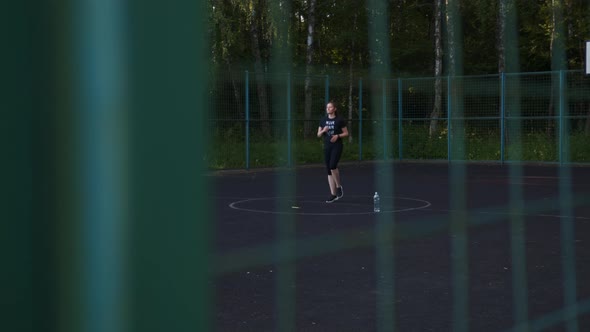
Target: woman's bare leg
(336, 177)
(334, 181)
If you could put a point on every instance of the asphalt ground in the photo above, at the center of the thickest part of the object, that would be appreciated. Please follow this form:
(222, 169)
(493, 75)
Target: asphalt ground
(456, 247)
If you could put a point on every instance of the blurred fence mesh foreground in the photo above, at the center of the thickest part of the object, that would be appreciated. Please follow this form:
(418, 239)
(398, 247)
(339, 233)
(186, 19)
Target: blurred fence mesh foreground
(521, 117)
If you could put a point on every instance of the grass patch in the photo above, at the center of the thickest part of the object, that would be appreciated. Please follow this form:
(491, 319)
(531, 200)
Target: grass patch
(478, 145)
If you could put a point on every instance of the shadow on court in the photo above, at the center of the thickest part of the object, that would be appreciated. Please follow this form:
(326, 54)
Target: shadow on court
(465, 247)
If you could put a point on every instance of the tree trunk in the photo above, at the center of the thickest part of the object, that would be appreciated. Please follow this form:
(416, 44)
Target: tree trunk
(436, 112)
(508, 62)
(501, 47)
(350, 85)
(309, 125)
(557, 47)
(456, 91)
(260, 79)
(235, 87)
(351, 82)
(501, 42)
(451, 36)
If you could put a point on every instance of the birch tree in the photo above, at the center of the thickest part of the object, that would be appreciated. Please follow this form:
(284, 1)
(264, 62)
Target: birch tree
(311, 21)
(557, 49)
(453, 37)
(502, 12)
(351, 76)
(438, 66)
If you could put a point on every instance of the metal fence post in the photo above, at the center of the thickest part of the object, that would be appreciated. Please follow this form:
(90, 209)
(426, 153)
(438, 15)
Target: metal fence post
(360, 119)
(561, 120)
(289, 161)
(399, 118)
(327, 90)
(383, 124)
(502, 114)
(247, 111)
(449, 127)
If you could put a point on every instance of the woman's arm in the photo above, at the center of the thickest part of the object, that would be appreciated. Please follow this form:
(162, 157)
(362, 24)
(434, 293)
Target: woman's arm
(336, 137)
(344, 132)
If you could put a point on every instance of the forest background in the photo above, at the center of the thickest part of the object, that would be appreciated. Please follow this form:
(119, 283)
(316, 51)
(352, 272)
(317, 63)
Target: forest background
(332, 36)
(349, 40)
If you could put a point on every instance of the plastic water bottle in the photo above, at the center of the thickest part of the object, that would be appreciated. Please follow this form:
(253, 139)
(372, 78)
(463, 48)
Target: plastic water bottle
(376, 203)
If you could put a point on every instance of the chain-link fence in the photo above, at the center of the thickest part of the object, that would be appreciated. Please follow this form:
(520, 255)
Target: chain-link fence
(267, 120)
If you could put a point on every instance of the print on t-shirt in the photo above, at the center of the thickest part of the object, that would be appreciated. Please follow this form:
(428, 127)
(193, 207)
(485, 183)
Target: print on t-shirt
(330, 125)
(334, 127)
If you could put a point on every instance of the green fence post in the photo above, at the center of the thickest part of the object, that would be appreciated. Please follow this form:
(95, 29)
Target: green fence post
(561, 120)
(289, 161)
(102, 169)
(567, 224)
(360, 119)
(399, 118)
(327, 90)
(247, 111)
(384, 117)
(502, 114)
(170, 225)
(449, 127)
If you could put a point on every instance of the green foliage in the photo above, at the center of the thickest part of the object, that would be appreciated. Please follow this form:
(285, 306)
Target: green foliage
(342, 36)
(417, 144)
(342, 52)
(479, 33)
(579, 147)
(480, 145)
(533, 147)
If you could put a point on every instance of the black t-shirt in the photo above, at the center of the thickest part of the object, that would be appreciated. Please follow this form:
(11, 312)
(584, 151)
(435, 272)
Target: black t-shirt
(335, 126)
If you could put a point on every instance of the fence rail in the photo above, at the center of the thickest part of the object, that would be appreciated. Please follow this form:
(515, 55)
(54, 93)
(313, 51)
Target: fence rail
(270, 120)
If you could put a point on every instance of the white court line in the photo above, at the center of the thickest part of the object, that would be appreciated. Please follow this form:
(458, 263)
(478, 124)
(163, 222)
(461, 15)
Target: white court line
(234, 205)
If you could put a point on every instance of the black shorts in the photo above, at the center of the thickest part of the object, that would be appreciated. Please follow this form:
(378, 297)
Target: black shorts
(332, 153)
